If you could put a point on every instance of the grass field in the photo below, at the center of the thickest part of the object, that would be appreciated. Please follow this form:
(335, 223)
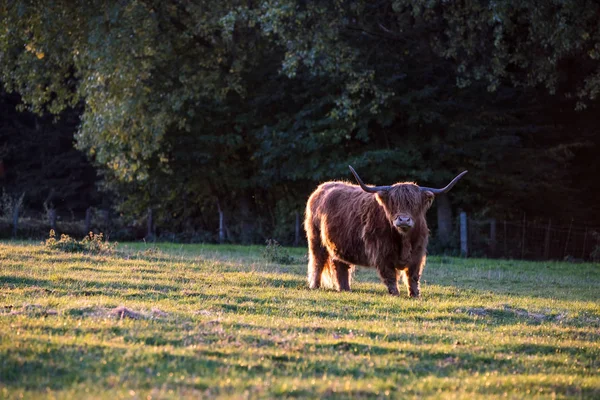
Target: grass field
(195, 321)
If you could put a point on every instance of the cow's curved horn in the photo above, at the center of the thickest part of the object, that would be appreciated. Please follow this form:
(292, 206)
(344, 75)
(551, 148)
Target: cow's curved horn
(369, 189)
(447, 188)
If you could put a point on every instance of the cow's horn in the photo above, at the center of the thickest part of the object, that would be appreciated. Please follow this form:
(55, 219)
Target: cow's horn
(369, 189)
(448, 187)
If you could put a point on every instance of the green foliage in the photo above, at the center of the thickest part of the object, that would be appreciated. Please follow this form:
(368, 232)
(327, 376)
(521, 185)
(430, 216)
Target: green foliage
(91, 244)
(38, 159)
(239, 106)
(8, 203)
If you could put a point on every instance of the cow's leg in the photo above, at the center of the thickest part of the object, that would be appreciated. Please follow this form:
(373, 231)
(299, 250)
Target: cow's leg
(389, 276)
(413, 276)
(317, 259)
(342, 272)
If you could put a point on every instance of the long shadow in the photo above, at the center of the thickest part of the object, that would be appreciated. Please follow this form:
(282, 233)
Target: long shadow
(90, 286)
(550, 280)
(60, 368)
(38, 364)
(19, 281)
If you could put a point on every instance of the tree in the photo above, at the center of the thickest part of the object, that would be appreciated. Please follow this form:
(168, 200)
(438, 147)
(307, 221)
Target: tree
(38, 159)
(246, 106)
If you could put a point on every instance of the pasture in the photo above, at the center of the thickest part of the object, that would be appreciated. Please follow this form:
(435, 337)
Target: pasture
(191, 321)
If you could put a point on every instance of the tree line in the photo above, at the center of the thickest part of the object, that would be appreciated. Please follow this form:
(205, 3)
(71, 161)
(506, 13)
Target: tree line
(239, 109)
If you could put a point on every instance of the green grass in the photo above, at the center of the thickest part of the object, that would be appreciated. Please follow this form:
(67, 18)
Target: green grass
(219, 321)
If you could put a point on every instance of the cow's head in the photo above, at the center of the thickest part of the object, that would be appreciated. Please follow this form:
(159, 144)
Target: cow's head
(404, 203)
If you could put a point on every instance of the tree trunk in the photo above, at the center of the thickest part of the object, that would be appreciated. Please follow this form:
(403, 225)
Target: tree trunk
(88, 220)
(444, 219)
(149, 235)
(52, 218)
(246, 227)
(464, 235)
(106, 220)
(297, 232)
(221, 224)
(15, 218)
(493, 237)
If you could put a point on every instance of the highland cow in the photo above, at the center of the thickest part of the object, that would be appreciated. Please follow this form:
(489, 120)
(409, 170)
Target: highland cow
(373, 226)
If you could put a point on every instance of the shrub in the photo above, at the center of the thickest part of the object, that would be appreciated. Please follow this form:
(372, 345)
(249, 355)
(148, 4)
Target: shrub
(92, 244)
(277, 254)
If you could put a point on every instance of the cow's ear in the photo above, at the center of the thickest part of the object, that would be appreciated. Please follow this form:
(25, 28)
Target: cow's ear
(428, 198)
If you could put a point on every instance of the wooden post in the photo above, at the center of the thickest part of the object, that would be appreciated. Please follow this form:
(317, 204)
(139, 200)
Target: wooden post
(52, 218)
(464, 247)
(505, 238)
(149, 221)
(16, 208)
(584, 243)
(88, 220)
(15, 217)
(547, 241)
(297, 232)
(493, 236)
(221, 224)
(568, 235)
(444, 219)
(523, 237)
(106, 219)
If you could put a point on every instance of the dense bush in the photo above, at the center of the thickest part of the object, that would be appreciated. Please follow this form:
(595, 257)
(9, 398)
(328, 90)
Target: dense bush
(275, 253)
(92, 244)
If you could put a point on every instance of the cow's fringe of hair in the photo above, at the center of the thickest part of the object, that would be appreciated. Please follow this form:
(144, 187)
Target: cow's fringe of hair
(329, 277)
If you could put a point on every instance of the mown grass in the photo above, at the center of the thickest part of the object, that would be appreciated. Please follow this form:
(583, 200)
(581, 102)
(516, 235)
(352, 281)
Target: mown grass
(194, 321)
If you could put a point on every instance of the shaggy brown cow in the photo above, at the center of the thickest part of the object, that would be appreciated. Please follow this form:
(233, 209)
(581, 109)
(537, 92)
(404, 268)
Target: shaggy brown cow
(374, 226)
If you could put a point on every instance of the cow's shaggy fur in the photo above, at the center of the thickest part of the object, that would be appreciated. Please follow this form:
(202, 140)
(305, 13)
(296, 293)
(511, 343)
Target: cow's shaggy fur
(347, 226)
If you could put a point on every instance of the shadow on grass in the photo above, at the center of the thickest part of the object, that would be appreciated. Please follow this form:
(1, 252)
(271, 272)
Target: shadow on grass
(550, 280)
(214, 353)
(68, 285)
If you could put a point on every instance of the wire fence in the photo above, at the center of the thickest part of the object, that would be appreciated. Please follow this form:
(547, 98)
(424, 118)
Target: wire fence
(534, 240)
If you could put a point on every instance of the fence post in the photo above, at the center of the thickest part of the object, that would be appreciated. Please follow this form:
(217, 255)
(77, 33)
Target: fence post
(523, 237)
(88, 220)
(149, 235)
(547, 240)
(297, 231)
(584, 243)
(221, 224)
(505, 244)
(493, 236)
(464, 248)
(52, 218)
(15, 219)
(568, 236)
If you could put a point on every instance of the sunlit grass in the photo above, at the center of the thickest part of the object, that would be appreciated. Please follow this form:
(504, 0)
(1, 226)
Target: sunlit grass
(220, 321)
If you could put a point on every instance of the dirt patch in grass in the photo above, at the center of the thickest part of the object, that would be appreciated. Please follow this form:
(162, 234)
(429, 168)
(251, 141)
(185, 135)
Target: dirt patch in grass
(120, 313)
(31, 310)
(507, 311)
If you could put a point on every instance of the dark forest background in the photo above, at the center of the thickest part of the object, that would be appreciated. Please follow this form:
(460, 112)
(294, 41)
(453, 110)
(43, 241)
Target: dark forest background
(239, 109)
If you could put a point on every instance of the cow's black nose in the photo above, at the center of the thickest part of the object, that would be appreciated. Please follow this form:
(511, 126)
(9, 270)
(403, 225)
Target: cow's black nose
(403, 222)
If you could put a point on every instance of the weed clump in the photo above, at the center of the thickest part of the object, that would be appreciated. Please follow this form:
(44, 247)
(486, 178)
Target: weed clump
(92, 244)
(275, 253)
